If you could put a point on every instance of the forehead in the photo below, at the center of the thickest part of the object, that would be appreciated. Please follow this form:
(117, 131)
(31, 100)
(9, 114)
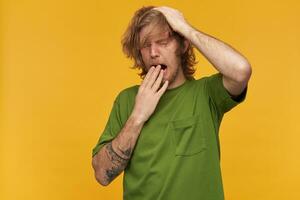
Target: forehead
(153, 32)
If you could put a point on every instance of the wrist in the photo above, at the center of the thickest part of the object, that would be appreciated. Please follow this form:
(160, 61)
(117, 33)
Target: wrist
(136, 119)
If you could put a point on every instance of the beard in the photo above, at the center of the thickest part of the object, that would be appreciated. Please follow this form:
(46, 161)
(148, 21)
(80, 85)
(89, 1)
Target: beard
(172, 78)
(174, 75)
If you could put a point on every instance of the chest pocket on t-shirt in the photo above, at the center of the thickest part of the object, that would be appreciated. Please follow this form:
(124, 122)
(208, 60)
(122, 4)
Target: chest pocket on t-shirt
(188, 136)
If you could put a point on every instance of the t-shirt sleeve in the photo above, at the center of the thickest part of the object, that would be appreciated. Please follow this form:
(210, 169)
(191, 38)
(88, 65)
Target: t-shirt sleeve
(112, 127)
(219, 96)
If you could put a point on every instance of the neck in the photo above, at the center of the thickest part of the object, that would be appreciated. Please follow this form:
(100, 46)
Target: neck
(179, 80)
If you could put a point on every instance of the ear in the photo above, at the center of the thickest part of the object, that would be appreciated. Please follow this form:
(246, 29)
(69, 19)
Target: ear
(186, 44)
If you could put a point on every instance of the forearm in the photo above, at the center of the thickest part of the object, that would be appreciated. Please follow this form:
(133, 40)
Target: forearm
(222, 56)
(112, 159)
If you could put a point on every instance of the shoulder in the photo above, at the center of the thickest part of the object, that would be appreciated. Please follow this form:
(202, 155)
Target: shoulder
(206, 78)
(201, 82)
(206, 83)
(127, 93)
(210, 80)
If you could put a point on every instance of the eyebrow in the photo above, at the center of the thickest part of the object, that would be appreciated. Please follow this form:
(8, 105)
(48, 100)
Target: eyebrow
(146, 39)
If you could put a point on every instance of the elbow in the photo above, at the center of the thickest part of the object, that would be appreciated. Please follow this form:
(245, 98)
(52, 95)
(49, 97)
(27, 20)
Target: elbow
(244, 72)
(101, 180)
(99, 173)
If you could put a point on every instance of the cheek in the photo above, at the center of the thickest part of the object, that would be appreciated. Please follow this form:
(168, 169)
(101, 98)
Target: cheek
(173, 51)
(145, 57)
(173, 56)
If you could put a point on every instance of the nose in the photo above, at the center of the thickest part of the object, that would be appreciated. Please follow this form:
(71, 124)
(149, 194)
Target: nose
(154, 51)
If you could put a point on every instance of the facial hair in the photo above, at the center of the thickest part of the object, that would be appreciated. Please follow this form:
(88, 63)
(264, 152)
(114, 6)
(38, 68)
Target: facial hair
(172, 78)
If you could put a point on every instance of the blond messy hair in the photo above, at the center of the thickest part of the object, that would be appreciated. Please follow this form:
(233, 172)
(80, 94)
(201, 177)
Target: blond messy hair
(131, 40)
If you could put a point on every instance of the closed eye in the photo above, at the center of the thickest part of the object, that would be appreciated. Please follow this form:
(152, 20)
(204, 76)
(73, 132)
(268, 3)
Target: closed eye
(163, 42)
(146, 45)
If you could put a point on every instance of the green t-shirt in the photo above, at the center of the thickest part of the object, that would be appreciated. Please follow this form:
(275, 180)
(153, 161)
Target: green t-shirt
(177, 154)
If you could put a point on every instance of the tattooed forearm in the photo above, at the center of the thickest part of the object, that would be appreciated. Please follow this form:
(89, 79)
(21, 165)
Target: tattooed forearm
(114, 157)
(126, 153)
(118, 161)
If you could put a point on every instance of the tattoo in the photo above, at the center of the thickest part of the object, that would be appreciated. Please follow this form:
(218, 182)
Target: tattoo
(127, 152)
(112, 173)
(119, 162)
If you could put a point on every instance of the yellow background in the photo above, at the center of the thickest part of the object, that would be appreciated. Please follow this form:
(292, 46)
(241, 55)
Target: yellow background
(62, 66)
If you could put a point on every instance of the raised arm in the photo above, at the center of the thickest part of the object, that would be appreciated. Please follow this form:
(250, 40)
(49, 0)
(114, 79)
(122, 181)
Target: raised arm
(234, 67)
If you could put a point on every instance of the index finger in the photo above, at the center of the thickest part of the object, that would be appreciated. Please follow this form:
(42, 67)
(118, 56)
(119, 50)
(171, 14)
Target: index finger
(150, 71)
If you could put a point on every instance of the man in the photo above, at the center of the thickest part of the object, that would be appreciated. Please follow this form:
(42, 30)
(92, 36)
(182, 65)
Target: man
(164, 132)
